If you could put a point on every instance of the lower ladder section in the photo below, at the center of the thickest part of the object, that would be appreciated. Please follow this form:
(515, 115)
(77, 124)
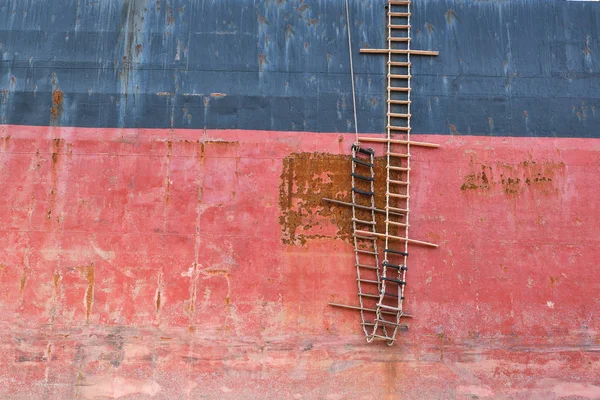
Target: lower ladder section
(364, 228)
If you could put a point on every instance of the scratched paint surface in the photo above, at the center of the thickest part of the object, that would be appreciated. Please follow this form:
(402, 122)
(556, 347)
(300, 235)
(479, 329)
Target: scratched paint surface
(506, 67)
(154, 263)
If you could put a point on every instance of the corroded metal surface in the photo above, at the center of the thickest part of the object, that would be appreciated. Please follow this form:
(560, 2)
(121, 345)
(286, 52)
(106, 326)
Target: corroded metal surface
(512, 67)
(166, 263)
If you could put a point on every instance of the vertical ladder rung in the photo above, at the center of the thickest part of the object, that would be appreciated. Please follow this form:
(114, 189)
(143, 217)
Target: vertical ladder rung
(364, 178)
(398, 128)
(398, 89)
(400, 155)
(368, 281)
(402, 169)
(382, 321)
(396, 209)
(369, 296)
(362, 251)
(367, 267)
(389, 307)
(396, 223)
(361, 162)
(364, 237)
(399, 196)
(368, 152)
(399, 102)
(398, 267)
(364, 193)
(401, 253)
(399, 63)
(360, 221)
(382, 337)
(398, 39)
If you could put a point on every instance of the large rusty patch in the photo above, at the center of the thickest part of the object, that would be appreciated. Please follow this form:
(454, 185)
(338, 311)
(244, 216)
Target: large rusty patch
(306, 179)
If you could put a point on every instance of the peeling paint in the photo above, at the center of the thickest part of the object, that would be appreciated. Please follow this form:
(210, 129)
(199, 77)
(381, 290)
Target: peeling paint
(305, 180)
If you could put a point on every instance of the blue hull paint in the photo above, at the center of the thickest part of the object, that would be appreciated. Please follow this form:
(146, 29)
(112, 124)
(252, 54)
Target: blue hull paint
(515, 68)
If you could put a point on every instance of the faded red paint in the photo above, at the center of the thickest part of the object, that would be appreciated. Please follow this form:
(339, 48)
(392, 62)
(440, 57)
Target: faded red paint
(162, 272)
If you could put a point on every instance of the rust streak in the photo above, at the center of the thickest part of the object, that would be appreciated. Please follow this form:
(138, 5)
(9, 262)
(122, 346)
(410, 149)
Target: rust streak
(57, 105)
(23, 280)
(88, 272)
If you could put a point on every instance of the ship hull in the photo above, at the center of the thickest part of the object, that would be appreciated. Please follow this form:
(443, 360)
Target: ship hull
(174, 263)
(163, 166)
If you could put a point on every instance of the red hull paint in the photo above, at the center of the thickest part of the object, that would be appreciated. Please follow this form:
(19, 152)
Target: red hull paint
(145, 263)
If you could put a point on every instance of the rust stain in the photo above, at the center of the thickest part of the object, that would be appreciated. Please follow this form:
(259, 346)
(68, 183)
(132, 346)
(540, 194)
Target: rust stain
(56, 279)
(289, 32)
(513, 179)
(23, 281)
(302, 8)
(305, 180)
(189, 306)
(159, 298)
(453, 129)
(430, 28)
(451, 16)
(168, 178)
(476, 181)
(391, 378)
(262, 60)
(218, 95)
(170, 18)
(88, 272)
(510, 185)
(57, 105)
(214, 272)
(158, 301)
(586, 50)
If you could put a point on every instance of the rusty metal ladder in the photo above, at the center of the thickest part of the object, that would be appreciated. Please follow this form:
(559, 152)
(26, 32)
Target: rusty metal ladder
(365, 245)
(392, 273)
